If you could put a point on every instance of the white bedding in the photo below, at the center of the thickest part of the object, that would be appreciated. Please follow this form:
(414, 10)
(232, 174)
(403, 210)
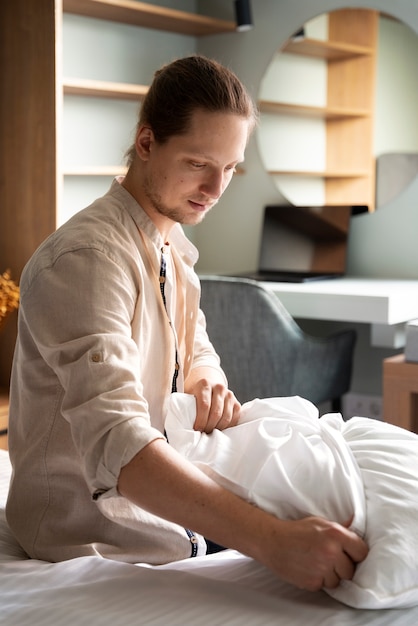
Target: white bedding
(285, 460)
(225, 589)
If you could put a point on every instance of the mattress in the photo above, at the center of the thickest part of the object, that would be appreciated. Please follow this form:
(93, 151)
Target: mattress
(226, 588)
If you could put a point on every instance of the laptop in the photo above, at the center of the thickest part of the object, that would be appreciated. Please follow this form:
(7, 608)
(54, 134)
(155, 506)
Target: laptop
(301, 244)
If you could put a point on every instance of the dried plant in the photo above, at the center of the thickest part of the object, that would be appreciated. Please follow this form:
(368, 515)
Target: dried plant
(9, 296)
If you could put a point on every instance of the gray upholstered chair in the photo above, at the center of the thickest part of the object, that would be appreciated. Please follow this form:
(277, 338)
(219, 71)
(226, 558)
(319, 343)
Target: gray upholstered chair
(264, 352)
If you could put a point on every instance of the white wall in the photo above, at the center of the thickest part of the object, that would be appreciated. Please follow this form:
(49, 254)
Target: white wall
(396, 123)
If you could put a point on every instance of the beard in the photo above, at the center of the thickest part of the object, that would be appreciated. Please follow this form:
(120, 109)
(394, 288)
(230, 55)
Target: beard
(175, 213)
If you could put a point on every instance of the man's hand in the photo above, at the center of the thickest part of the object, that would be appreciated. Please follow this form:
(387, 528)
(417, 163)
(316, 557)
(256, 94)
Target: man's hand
(320, 553)
(216, 405)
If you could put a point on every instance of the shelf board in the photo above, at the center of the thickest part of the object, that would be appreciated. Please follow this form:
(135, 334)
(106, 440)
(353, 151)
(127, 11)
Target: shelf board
(105, 170)
(326, 113)
(103, 89)
(329, 50)
(321, 174)
(149, 16)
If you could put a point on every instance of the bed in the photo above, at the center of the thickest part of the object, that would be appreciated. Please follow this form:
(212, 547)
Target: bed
(225, 588)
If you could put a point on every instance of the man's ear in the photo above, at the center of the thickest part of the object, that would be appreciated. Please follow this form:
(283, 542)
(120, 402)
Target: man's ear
(144, 140)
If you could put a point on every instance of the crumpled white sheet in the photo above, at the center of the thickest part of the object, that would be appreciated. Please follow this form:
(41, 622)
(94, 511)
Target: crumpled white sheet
(284, 459)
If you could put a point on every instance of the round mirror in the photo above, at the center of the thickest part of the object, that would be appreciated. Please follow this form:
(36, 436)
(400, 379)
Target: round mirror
(338, 107)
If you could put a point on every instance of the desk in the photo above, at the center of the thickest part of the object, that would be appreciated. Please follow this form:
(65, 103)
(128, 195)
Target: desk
(400, 392)
(385, 304)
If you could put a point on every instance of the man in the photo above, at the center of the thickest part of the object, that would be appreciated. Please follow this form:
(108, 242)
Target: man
(109, 325)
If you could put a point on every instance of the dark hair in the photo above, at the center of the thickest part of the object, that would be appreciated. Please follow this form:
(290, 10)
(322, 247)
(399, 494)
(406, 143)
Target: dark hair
(187, 84)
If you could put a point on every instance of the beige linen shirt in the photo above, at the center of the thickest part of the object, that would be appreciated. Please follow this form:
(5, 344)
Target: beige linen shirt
(92, 371)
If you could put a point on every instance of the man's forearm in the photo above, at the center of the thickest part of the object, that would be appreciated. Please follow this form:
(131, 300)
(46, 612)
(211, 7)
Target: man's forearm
(161, 481)
(309, 553)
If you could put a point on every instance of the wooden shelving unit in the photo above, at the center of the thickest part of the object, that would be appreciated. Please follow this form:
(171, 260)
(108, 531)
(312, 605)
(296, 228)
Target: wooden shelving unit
(136, 14)
(349, 176)
(101, 89)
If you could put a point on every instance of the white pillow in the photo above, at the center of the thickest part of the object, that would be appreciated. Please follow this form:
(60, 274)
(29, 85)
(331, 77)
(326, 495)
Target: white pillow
(287, 461)
(388, 459)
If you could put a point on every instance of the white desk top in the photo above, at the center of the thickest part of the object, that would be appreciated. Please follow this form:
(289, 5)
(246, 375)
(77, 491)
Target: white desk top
(348, 299)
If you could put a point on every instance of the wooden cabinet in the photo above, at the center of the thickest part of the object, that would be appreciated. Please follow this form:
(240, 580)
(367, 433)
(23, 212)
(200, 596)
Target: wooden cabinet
(400, 392)
(33, 89)
(350, 54)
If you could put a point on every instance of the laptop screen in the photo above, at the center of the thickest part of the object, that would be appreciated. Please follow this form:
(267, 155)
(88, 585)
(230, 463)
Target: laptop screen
(310, 240)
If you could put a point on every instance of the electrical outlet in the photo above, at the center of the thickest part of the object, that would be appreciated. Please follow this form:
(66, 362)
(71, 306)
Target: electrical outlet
(360, 405)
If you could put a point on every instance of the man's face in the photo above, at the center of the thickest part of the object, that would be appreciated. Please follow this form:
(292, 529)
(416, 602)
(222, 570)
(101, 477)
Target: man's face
(186, 176)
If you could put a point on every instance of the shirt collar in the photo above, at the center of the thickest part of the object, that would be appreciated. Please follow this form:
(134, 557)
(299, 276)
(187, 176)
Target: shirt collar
(177, 238)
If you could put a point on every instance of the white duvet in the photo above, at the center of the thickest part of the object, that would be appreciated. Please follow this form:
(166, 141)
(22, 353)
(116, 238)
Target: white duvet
(285, 460)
